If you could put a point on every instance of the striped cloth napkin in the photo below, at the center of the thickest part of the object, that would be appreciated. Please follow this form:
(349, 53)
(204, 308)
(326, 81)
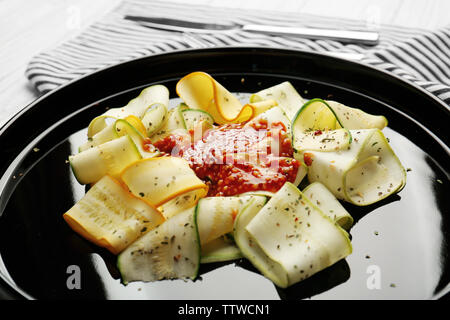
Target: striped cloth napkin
(419, 56)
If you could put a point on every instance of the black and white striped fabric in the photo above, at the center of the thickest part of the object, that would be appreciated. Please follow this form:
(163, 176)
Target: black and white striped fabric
(420, 56)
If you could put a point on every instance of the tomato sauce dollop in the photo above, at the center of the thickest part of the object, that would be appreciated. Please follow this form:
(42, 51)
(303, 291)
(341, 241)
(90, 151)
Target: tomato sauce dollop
(237, 158)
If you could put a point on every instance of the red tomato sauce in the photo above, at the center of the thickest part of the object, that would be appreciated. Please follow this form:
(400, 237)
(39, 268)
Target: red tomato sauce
(237, 158)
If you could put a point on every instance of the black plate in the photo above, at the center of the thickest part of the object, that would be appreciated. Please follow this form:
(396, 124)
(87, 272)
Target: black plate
(400, 245)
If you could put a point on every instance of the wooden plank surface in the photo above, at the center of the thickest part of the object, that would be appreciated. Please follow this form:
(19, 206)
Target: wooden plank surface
(29, 27)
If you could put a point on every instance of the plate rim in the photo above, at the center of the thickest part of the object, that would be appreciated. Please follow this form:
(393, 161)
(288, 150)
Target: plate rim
(361, 64)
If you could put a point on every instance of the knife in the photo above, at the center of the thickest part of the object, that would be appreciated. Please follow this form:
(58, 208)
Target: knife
(346, 36)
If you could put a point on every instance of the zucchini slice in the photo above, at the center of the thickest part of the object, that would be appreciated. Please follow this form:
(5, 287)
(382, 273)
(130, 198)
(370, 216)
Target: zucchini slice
(118, 129)
(216, 215)
(318, 194)
(123, 127)
(257, 193)
(363, 174)
(316, 127)
(215, 219)
(106, 134)
(316, 114)
(154, 118)
(297, 237)
(262, 106)
(137, 107)
(272, 116)
(193, 117)
(170, 251)
(137, 124)
(220, 250)
(322, 140)
(198, 122)
(353, 118)
(181, 203)
(161, 179)
(301, 173)
(109, 216)
(174, 122)
(247, 244)
(110, 158)
(287, 98)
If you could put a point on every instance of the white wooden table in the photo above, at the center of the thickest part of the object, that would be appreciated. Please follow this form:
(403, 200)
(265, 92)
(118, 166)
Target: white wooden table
(29, 27)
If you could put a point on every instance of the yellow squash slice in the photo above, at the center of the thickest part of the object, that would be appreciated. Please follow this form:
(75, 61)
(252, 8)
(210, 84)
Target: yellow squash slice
(159, 180)
(201, 91)
(110, 217)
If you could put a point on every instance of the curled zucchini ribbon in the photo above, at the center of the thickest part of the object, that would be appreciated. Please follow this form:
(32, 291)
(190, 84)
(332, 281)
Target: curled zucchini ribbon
(112, 145)
(154, 118)
(316, 127)
(157, 94)
(289, 238)
(197, 121)
(285, 95)
(170, 251)
(173, 121)
(220, 250)
(201, 91)
(273, 116)
(356, 165)
(320, 196)
(131, 126)
(176, 248)
(365, 172)
(287, 98)
(110, 158)
(110, 151)
(216, 216)
(353, 118)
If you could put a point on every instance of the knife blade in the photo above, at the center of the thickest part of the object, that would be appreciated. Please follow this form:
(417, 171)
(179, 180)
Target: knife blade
(345, 36)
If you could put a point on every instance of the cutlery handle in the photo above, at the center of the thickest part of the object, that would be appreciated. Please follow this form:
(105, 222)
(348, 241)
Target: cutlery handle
(361, 37)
